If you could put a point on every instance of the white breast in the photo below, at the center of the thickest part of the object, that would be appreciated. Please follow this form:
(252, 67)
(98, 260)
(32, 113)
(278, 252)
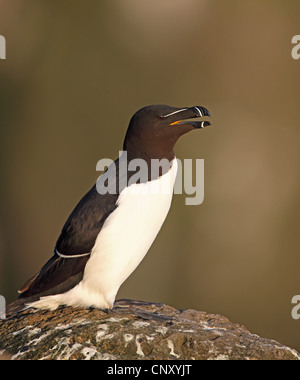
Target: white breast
(121, 245)
(123, 241)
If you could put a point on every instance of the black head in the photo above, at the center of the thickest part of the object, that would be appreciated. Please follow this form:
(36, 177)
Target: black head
(154, 130)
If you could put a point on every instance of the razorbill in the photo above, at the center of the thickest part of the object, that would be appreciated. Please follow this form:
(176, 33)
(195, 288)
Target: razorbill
(109, 232)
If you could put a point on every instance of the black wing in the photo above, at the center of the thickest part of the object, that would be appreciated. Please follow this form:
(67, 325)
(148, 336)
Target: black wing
(80, 231)
(78, 237)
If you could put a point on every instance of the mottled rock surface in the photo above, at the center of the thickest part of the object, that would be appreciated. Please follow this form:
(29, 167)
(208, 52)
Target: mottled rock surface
(133, 330)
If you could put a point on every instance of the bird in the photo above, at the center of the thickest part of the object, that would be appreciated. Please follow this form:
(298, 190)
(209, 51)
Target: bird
(107, 235)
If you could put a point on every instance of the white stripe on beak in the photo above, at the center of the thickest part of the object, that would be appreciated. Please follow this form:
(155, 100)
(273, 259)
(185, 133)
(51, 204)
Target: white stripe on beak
(200, 113)
(174, 113)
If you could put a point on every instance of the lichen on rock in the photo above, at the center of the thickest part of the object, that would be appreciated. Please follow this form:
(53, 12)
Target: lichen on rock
(132, 330)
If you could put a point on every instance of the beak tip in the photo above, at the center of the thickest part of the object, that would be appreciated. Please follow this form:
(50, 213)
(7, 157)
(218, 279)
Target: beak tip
(206, 124)
(202, 124)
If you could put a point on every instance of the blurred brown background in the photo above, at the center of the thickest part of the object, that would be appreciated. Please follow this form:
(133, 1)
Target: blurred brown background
(75, 73)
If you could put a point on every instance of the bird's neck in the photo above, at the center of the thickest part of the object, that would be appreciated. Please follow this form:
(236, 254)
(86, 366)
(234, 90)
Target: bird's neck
(155, 163)
(149, 156)
(137, 150)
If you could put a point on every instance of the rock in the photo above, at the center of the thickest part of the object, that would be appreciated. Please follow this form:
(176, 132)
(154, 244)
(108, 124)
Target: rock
(132, 330)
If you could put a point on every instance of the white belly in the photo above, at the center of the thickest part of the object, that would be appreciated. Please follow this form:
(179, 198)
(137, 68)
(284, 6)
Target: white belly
(128, 234)
(122, 243)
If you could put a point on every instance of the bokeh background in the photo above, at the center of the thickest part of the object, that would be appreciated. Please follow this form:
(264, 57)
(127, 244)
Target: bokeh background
(75, 73)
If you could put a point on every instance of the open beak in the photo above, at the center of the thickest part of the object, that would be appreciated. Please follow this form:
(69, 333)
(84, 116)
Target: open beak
(181, 116)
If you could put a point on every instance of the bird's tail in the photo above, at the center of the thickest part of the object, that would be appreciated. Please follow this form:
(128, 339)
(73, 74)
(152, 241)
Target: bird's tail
(16, 307)
(20, 304)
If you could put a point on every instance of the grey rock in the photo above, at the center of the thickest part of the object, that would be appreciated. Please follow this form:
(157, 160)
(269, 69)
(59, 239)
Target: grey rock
(132, 330)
